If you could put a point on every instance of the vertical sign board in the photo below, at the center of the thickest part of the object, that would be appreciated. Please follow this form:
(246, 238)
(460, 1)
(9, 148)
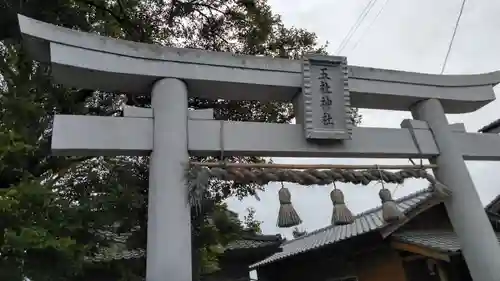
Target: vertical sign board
(325, 98)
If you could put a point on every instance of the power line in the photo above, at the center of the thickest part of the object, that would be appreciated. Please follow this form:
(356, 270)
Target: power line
(370, 26)
(356, 25)
(453, 37)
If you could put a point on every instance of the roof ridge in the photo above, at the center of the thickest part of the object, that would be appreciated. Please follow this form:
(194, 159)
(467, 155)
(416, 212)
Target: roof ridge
(398, 200)
(492, 202)
(364, 213)
(261, 237)
(491, 126)
(419, 231)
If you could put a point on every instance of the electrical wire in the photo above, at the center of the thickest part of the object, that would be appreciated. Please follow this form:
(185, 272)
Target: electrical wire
(370, 26)
(356, 25)
(453, 37)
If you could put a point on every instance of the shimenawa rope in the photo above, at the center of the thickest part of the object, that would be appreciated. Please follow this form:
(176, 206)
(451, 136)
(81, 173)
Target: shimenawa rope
(198, 179)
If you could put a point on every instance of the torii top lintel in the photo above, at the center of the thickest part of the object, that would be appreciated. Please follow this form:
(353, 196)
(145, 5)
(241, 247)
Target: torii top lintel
(87, 60)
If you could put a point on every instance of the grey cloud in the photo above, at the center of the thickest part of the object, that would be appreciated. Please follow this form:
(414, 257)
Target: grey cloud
(411, 36)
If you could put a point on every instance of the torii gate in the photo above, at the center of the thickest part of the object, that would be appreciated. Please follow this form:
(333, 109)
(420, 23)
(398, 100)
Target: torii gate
(170, 132)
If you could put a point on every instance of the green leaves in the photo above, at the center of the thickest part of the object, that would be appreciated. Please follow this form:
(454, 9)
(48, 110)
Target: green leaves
(54, 210)
(32, 222)
(35, 238)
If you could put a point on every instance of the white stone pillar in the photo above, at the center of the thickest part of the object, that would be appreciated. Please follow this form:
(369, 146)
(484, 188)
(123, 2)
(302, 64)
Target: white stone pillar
(476, 236)
(169, 220)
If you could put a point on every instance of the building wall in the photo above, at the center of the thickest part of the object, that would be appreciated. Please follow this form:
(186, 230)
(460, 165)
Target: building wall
(230, 271)
(380, 264)
(418, 270)
(313, 270)
(433, 218)
(458, 270)
(235, 267)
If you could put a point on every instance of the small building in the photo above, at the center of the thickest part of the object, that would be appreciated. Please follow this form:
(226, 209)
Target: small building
(422, 247)
(234, 262)
(492, 128)
(240, 254)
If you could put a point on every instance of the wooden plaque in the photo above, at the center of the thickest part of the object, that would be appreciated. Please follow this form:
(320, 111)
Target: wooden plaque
(325, 98)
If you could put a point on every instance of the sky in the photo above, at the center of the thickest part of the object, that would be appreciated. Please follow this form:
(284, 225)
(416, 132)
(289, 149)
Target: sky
(409, 35)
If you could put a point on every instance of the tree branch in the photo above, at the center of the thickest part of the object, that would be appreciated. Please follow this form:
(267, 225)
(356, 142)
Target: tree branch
(121, 20)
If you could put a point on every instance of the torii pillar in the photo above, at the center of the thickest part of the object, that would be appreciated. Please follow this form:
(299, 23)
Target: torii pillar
(467, 217)
(169, 220)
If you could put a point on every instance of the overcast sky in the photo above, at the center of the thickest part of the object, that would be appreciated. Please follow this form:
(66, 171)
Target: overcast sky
(410, 35)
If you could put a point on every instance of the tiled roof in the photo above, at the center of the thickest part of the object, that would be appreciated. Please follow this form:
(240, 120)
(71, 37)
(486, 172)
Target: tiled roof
(118, 250)
(492, 202)
(365, 222)
(493, 125)
(439, 240)
(109, 254)
(252, 242)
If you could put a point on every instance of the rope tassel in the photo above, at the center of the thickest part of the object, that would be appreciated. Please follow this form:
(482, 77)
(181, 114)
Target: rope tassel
(341, 214)
(390, 210)
(287, 216)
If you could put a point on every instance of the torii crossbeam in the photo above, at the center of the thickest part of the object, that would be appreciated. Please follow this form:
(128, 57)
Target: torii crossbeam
(170, 132)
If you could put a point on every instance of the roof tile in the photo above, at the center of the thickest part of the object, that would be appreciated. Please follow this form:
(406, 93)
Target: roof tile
(255, 241)
(440, 240)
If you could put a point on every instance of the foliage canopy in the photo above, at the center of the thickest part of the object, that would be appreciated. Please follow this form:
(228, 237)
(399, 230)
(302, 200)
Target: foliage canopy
(53, 210)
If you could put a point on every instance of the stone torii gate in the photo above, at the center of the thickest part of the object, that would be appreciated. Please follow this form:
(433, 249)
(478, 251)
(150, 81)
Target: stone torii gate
(169, 132)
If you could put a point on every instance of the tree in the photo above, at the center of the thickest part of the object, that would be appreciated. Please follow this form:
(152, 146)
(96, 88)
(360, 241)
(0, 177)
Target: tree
(250, 223)
(52, 209)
